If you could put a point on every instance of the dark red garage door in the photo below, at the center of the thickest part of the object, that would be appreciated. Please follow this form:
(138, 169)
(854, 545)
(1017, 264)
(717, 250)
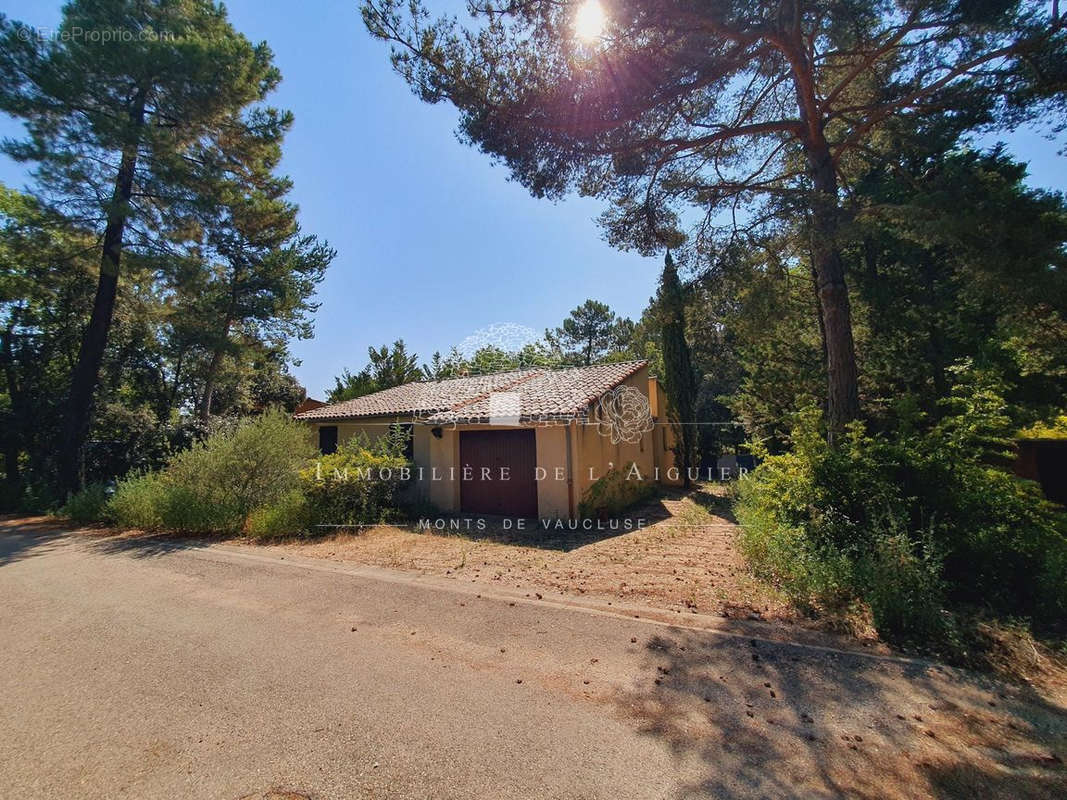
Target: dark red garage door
(487, 491)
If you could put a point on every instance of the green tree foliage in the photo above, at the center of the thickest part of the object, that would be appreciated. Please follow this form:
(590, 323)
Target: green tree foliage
(680, 111)
(958, 292)
(350, 385)
(388, 367)
(266, 270)
(216, 276)
(45, 294)
(394, 366)
(678, 374)
(591, 333)
(119, 130)
(956, 259)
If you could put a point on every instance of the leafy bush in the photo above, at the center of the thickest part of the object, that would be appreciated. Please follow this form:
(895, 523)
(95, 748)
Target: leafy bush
(289, 516)
(358, 484)
(139, 501)
(88, 505)
(613, 493)
(214, 485)
(1056, 429)
(907, 523)
(902, 583)
(223, 478)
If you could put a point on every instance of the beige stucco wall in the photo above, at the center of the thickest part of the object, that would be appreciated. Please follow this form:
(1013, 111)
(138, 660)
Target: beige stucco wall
(442, 472)
(558, 491)
(554, 489)
(595, 453)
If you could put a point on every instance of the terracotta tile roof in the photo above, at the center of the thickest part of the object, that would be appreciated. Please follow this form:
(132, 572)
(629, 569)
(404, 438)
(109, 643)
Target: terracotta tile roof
(420, 398)
(541, 395)
(552, 394)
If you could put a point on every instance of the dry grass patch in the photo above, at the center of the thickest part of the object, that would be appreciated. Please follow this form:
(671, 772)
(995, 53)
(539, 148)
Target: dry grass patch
(676, 552)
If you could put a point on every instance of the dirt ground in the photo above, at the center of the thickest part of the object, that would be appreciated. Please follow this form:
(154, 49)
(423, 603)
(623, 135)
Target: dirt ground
(676, 553)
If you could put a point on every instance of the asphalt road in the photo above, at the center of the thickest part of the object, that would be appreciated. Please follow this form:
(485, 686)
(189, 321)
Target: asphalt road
(148, 668)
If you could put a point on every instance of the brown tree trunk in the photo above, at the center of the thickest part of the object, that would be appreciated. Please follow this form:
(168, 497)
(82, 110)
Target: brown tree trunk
(15, 433)
(843, 403)
(213, 369)
(209, 385)
(86, 372)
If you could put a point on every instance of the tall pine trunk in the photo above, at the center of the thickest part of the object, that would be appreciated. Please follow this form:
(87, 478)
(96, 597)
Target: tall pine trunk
(19, 419)
(842, 395)
(209, 383)
(216, 356)
(86, 373)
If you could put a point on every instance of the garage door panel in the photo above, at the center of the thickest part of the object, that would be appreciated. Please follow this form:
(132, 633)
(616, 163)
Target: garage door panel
(487, 490)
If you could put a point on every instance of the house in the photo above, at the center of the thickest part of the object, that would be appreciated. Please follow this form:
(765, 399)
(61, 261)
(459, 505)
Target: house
(523, 443)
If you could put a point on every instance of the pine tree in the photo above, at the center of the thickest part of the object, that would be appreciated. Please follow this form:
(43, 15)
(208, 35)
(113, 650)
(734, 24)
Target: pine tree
(266, 270)
(589, 333)
(116, 126)
(682, 114)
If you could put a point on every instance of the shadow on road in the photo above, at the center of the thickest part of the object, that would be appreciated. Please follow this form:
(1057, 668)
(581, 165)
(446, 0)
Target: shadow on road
(25, 537)
(144, 545)
(767, 720)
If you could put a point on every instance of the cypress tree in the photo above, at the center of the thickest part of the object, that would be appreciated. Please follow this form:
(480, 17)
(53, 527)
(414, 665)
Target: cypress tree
(679, 377)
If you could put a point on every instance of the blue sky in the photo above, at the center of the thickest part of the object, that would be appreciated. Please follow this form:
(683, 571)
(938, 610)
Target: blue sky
(434, 243)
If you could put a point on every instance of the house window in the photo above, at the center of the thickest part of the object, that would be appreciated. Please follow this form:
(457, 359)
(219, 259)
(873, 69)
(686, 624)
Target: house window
(327, 439)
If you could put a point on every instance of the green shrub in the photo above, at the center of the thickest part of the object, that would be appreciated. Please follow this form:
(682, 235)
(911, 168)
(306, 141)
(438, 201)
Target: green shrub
(617, 490)
(289, 516)
(220, 480)
(358, 484)
(138, 501)
(88, 505)
(907, 523)
(902, 583)
(213, 486)
(813, 577)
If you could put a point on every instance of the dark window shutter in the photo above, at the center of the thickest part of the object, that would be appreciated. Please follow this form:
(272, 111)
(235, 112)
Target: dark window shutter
(328, 439)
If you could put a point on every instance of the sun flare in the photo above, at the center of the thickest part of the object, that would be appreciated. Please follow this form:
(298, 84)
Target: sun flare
(589, 21)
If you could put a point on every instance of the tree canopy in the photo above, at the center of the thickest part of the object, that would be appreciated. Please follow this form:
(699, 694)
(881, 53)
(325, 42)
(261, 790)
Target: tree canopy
(591, 333)
(123, 132)
(158, 215)
(703, 119)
